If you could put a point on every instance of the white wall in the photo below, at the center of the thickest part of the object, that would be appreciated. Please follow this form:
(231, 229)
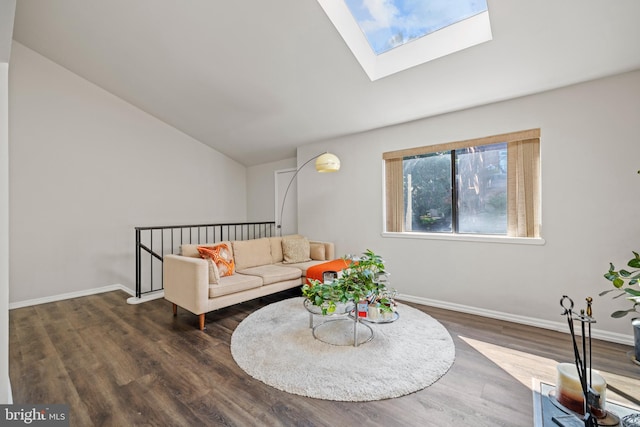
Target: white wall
(7, 13)
(261, 189)
(86, 168)
(590, 155)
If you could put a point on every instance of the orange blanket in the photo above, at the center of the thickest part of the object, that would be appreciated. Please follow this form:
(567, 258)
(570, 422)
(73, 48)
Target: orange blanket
(316, 271)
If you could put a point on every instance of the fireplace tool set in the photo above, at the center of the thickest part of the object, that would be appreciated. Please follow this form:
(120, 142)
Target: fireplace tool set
(592, 404)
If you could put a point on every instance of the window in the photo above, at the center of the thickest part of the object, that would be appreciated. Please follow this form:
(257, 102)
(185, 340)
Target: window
(486, 186)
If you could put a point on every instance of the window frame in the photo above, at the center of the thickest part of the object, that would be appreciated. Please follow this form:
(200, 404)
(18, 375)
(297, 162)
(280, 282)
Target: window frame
(523, 188)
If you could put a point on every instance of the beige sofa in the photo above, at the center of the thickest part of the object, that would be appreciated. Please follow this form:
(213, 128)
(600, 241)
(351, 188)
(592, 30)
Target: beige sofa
(262, 267)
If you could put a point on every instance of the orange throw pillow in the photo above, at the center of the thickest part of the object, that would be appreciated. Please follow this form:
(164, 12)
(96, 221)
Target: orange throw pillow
(221, 257)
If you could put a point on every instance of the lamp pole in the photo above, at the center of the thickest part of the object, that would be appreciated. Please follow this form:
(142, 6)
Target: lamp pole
(284, 199)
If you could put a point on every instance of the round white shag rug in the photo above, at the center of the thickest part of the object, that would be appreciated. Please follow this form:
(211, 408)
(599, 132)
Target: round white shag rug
(276, 346)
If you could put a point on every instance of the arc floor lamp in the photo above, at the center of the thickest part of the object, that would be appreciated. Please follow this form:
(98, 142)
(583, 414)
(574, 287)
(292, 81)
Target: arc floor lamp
(325, 162)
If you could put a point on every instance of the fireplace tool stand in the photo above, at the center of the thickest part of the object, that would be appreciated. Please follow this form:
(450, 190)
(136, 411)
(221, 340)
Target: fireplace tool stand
(582, 360)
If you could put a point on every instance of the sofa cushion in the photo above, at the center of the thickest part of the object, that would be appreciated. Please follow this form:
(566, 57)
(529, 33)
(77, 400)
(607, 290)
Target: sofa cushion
(251, 253)
(214, 273)
(302, 266)
(273, 273)
(317, 251)
(276, 249)
(232, 284)
(221, 255)
(295, 249)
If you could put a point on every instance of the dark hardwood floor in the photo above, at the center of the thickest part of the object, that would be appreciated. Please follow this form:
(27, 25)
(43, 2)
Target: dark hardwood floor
(122, 365)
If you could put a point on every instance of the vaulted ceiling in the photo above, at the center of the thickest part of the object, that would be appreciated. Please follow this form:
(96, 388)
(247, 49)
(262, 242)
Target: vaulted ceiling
(255, 79)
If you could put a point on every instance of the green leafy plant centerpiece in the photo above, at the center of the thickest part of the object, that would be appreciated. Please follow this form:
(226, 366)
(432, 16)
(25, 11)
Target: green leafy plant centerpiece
(359, 281)
(630, 278)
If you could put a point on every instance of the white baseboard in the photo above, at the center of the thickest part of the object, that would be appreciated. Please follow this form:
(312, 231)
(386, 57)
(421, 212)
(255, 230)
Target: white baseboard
(9, 393)
(69, 295)
(530, 321)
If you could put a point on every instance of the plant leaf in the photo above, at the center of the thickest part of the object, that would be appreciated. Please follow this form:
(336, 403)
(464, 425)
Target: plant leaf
(632, 292)
(620, 313)
(625, 273)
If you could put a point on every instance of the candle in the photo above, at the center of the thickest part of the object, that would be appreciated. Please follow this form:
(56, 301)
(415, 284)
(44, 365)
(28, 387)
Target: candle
(569, 390)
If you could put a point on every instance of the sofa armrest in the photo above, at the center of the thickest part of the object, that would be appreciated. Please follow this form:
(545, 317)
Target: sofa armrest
(186, 282)
(329, 249)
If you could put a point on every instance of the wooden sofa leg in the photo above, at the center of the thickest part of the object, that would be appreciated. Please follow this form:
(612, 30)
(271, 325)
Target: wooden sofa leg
(175, 309)
(201, 321)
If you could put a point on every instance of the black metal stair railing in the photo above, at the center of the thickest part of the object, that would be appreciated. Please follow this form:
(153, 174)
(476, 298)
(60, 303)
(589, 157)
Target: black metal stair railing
(152, 243)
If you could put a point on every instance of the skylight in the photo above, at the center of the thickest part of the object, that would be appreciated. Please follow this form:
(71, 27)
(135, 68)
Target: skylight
(388, 36)
(392, 23)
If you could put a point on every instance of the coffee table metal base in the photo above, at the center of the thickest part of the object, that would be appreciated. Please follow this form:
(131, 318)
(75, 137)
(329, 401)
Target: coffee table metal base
(337, 332)
(334, 331)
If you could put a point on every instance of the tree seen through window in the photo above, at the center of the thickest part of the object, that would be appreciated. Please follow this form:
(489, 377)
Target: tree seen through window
(476, 204)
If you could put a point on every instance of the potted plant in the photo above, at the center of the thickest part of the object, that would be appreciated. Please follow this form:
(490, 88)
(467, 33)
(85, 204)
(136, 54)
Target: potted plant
(359, 281)
(621, 277)
(382, 305)
(626, 281)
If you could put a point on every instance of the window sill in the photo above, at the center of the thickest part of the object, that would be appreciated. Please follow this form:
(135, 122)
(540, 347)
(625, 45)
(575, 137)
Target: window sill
(468, 238)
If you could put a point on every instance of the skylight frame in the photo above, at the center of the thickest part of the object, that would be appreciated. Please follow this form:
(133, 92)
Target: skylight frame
(453, 38)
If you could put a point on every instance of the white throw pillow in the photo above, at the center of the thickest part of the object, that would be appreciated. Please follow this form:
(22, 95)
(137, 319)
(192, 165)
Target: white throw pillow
(295, 250)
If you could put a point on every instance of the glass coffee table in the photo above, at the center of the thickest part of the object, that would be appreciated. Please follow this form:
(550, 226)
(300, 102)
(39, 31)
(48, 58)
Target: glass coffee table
(341, 327)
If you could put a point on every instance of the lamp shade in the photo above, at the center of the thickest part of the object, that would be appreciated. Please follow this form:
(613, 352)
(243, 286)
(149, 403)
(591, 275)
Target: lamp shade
(327, 162)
